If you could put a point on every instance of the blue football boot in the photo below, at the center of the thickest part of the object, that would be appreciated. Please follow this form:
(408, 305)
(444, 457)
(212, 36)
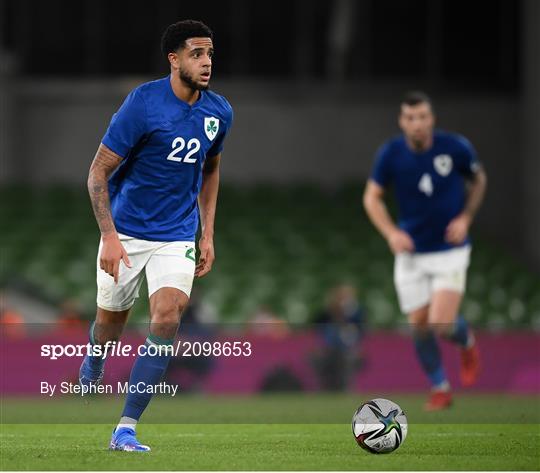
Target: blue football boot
(124, 440)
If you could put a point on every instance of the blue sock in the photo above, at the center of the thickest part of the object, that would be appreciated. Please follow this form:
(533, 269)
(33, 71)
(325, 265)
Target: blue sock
(147, 370)
(427, 351)
(95, 362)
(460, 332)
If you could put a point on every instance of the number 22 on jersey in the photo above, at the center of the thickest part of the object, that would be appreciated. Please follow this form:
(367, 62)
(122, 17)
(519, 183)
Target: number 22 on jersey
(178, 144)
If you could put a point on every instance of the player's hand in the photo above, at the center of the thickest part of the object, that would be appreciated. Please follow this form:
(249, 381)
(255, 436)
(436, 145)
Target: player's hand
(206, 257)
(400, 242)
(458, 229)
(112, 252)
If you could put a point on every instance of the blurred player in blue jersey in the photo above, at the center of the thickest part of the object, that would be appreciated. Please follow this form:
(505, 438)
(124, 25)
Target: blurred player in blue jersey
(155, 174)
(439, 186)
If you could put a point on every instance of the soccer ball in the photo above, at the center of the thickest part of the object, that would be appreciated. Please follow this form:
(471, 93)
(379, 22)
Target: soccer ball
(379, 426)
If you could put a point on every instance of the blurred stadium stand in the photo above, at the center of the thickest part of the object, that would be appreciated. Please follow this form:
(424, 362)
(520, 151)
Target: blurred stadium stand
(272, 250)
(458, 43)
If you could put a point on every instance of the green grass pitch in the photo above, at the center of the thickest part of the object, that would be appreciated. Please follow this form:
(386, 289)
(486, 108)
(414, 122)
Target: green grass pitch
(279, 432)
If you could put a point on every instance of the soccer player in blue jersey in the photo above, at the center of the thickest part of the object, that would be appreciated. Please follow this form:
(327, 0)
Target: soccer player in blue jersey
(155, 174)
(439, 186)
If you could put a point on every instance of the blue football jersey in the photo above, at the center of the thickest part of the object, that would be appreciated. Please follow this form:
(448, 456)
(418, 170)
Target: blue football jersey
(429, 186)
(164, 142)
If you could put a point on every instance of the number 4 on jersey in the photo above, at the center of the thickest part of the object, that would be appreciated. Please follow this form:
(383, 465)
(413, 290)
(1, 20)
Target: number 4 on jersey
(425, 184)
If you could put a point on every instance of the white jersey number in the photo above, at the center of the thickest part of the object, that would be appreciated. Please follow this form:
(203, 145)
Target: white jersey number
(193, 146)
(425, 184)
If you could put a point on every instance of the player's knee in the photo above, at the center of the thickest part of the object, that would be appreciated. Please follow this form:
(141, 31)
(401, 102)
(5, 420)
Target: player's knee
(166, 313)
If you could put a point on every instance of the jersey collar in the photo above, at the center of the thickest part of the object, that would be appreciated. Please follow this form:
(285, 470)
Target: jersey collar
(182, 103)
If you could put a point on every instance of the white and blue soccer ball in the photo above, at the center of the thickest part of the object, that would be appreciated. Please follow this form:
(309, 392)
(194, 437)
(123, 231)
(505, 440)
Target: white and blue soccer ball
(379, 426)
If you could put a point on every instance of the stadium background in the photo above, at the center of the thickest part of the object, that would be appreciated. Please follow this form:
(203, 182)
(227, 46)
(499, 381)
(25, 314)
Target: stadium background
(315, 88)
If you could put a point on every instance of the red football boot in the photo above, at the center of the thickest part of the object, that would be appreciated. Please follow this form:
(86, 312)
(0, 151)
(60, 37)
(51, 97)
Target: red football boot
(470, 365)
(438, 400)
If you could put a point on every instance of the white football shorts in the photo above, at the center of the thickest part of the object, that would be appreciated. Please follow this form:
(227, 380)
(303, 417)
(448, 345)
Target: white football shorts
(418, 275)
(166, 264)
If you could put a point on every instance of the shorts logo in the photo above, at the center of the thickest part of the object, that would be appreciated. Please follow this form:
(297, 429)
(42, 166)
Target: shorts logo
(190, 254)
(211, 127)
(443, 164)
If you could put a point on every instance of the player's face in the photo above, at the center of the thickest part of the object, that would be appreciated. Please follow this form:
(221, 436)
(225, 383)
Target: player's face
(416, 122)
(194, 62)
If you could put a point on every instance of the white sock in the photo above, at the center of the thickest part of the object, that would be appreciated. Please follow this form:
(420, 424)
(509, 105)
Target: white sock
(470, 339)
(127, 422)
(444, 386)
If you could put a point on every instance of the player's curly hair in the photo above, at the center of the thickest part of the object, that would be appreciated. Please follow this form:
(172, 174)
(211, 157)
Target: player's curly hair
(176, 34)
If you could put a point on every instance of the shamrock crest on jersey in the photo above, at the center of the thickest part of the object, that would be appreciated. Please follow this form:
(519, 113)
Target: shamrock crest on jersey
(443, 164)
(211, 127)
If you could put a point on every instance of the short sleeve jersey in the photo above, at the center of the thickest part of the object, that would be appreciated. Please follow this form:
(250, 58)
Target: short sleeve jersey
(163, 142)
(429, 186)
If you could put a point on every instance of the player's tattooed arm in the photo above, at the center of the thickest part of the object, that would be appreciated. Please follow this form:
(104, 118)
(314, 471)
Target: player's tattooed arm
(112, 251)
(103, 165)
(207, 206)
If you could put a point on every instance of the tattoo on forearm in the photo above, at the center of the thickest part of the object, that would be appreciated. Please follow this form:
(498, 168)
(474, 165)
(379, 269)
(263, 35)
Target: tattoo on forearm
(105, 162)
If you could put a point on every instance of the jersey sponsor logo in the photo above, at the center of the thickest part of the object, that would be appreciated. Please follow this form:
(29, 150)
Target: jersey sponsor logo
(211, 127)
(443, 164)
